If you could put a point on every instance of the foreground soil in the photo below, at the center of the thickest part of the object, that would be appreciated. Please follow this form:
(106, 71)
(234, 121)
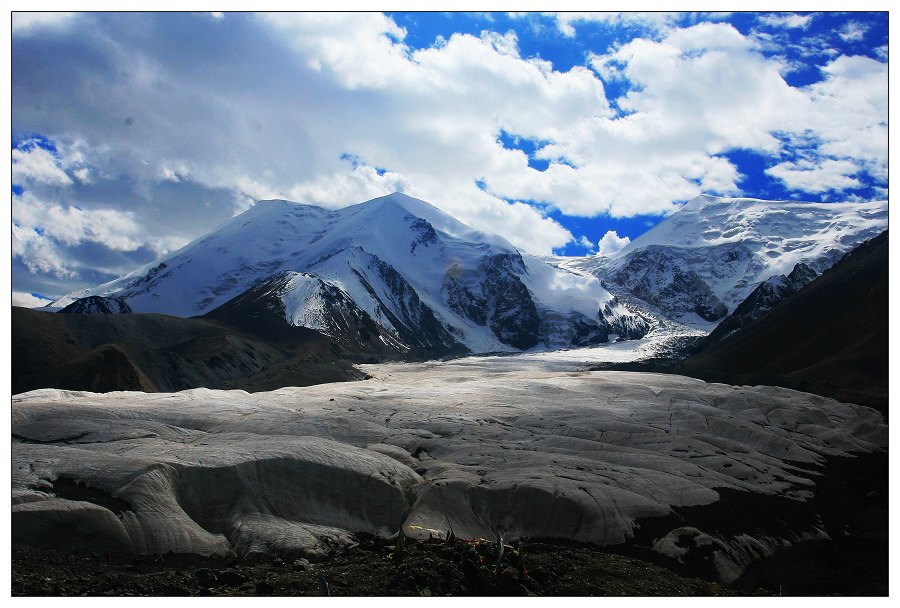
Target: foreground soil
(374, 567)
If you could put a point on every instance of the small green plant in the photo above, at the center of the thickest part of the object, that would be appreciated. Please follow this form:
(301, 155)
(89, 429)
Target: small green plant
(398, 546)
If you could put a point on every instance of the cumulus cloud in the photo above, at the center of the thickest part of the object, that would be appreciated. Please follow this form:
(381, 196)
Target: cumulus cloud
(854, 31)
(848, 113)
(63, 240)
(174, 123)
(28, 300)
(816, 177)
(786, 20)
(72, 226)
(611, 242)
(708, 87)
(31, 163)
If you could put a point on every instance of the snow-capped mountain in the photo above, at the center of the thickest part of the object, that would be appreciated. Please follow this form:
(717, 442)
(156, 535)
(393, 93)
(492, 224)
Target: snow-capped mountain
(98, 305)
(396, 268)
(703, 260)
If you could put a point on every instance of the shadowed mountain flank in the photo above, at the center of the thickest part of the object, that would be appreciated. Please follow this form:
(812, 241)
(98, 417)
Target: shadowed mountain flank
(830, 338)
(151, 352)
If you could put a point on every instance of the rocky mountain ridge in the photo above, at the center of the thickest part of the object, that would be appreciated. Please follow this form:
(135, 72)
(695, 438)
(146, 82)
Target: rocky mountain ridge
(426, 281)
(397, 275)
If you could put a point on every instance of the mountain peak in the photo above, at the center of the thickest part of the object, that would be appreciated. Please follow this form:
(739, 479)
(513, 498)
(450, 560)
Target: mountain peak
(411, 205)
(698, 202)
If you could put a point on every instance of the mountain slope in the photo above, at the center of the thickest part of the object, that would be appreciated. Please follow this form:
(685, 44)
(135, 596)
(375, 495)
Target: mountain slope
(830, 338)
(429, 282)
(305, 300)
(703, 260)
(98, 305)
(151, 352)
(767, 295)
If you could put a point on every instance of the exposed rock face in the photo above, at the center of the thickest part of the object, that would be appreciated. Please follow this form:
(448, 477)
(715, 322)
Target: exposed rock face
(98, 305)
(495, 297)
(430, 284)
(660, 276)
(578, 455)
(425, 234)
(627, 327)
(511, 313)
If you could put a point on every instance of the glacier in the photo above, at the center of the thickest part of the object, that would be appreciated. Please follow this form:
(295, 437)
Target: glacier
(531, 443)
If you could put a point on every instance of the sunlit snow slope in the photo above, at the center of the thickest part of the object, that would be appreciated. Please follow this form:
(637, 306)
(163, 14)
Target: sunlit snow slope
(703, 260)
(428, 281)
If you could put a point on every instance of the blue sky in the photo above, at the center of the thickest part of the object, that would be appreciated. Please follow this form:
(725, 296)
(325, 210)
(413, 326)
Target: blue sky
(133, 134)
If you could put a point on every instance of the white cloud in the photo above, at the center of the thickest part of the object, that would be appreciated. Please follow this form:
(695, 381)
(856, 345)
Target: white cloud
(359, 48)
(177, 142)
(707, 37)
(708, 88)
(27, 23)
(816, 177)
(28, 300)
(611, 243)
(72, 226)
(655, 21)
(337, 189)
(39, 253)
(43, 233)
(586, 243)
(31, 163)
(848, 112)
(854, 31)
(787, 20)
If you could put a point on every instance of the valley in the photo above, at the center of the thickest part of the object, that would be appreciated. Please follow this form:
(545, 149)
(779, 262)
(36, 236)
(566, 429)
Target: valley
(527, 445)
(347, 398)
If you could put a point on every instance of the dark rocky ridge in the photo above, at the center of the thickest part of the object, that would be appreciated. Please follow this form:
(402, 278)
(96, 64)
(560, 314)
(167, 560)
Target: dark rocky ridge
(829, 338)
(761, 300)
(150, 352)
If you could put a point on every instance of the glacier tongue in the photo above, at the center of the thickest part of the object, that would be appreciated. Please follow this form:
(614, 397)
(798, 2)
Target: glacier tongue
(535, 446)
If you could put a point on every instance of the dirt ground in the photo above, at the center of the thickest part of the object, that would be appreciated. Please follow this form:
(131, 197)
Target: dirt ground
(374, 567)
(850, 503)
